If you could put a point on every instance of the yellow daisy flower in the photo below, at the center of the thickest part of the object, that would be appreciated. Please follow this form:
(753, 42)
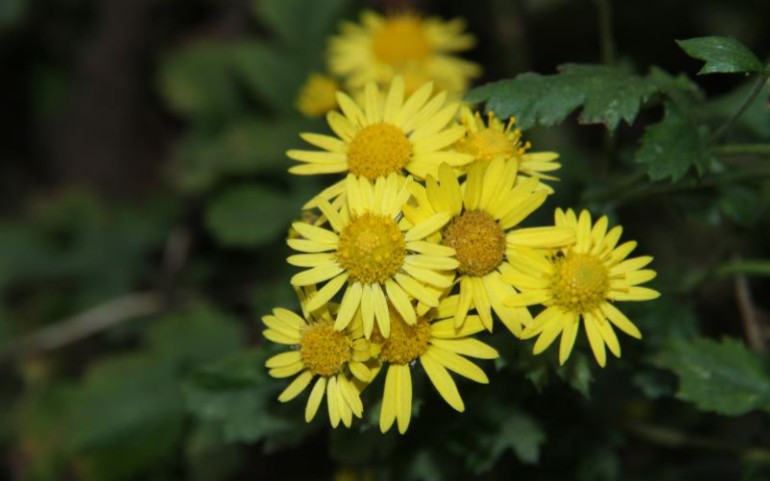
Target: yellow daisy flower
(370, 252)
(491, 139)
(318, 95)
(382, 47)
(319, 351)
(384, 135)
(582, 281)
(440, 347)
(485, 213)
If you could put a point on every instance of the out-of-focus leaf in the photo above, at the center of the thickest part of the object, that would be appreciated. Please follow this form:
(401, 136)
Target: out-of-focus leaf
(577, 373)
(721, 54)
(247, 411)
(197, 82)
(302, 25)
(194, 336)
(127, 414)
(271, 74)
(741, 204)
(426, 467)
(246, 146)
(513, 430)
(722, 377)
(607, 95)
(12, 12)
(672, 146)
(209, 458)
(250, 215)
(755, 120)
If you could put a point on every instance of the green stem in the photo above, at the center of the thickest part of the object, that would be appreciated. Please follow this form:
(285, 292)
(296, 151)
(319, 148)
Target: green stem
(758, 85)
(742, 149)
(646, 190)
(757, 267)
(605, 31)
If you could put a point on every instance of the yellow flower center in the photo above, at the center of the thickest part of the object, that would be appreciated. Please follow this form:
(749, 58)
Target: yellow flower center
(400, 40)
(405, 343)
(478, 240)
(580, 282)
(371, 248)
(324, 351)
(486, 144)
(377, 150)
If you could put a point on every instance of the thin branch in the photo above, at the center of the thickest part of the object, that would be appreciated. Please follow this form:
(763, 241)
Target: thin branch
(742, 149)
(671, 438)
(758, 85)
(84, 324)
(606, 38)
(749, 315)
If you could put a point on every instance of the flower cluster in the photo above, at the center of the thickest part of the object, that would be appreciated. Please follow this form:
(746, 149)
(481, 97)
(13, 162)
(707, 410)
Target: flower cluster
(419, 248)
(382, 47)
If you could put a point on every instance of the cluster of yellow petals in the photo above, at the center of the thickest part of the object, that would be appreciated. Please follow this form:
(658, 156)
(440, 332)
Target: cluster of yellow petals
(409, 257)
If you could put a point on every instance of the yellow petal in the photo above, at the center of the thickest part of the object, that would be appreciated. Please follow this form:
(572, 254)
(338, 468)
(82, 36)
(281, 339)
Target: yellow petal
(316, 396)
(404, 401)
(442, 381)
(297, 386)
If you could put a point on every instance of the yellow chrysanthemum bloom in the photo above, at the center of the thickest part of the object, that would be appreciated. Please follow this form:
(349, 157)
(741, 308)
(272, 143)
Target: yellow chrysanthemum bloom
(406, 44)
(318, 95)
(491, 139)
(483, 231)
(582, 281)
(383, 136)
(370, 252)
(319, 351)
(440, 347)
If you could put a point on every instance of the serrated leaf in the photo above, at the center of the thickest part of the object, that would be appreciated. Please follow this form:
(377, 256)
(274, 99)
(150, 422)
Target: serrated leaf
(721, 54)
(245, 405)
(606, 94)
(723, 377)
(672, 146)
(515, 431)
(250, 216)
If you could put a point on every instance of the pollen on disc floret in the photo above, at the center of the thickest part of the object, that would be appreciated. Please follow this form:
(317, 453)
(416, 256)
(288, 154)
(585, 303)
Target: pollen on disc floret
(478, 240)
(325, 350)
(377, 150)
(371, 248)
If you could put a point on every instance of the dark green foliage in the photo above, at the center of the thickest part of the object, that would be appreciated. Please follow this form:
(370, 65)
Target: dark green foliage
(722, 377)
(607, 95)
(250, 215)
(672, 147)
(721, 54)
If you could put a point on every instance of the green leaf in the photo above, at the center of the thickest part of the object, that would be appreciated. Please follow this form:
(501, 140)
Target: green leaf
(516, 431)
(672, 146)
(271, 75)
(238, 395)
(250, 215)
(721, 54)
(302, 25)
(197, 82)
(754, 121)
(246, 146)
(607, 95)
(722, 377)
(742, 204)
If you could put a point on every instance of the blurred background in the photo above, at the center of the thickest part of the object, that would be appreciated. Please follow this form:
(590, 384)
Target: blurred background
(145, 201)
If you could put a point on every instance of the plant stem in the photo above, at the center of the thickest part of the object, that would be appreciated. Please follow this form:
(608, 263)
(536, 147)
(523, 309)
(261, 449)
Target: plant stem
(743, 149)
(647, 189)
(605, 31)
(758, 85)
(758, 267)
